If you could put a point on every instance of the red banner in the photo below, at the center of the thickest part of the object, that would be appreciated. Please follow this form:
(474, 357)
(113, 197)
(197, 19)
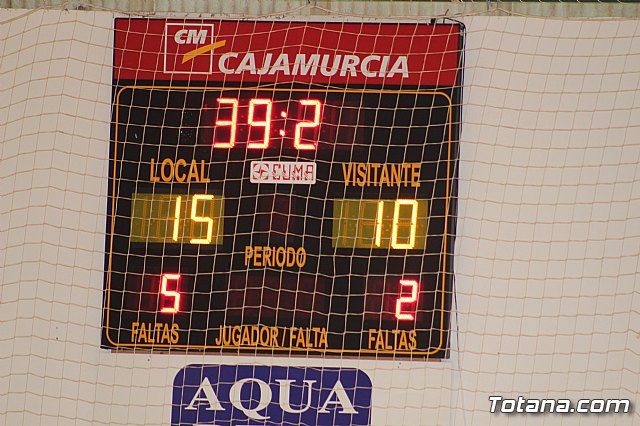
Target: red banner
(324, 53)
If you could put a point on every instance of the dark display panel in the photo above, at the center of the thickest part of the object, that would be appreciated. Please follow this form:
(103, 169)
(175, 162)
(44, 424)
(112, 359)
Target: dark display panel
(358, 262)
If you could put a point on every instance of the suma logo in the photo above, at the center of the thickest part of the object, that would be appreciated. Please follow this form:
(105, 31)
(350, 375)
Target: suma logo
(227, 395)
(188, 48)
(287, 172)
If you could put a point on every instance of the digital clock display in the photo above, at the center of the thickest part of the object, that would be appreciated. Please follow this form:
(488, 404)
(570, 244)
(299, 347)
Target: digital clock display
(281, 218)
(260, 117)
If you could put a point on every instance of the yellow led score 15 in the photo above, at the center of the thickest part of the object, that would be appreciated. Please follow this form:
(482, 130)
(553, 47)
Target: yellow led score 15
(184, 218)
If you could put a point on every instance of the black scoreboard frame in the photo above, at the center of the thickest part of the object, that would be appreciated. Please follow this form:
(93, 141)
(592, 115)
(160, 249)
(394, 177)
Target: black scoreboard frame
(444, 287)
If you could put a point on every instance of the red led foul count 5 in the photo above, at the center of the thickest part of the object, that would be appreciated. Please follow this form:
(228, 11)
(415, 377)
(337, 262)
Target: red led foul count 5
(252, 121)
(170, 299)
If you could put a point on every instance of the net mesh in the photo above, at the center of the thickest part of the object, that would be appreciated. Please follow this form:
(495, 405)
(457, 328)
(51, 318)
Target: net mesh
(546, 301)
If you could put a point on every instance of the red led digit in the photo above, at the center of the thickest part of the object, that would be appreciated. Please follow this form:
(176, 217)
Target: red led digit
(307, 124)
(231, 123)
(169, 299)
(266, 123)
(402, 311)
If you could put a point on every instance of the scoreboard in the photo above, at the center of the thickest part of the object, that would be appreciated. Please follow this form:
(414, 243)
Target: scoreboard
(282, 187)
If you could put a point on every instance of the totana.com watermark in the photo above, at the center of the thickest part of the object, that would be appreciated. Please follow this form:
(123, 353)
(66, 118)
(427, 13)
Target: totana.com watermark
(524, 405)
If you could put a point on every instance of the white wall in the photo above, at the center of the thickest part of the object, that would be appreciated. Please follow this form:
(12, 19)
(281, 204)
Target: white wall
(547, 260)
(547, 255)
(411, 8)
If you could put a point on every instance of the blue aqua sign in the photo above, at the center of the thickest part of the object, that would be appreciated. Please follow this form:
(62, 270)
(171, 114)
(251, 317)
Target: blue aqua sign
(247, 395)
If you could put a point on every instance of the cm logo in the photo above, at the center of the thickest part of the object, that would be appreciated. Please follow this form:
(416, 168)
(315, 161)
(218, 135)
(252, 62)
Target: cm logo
(188, 47)
(190, 36)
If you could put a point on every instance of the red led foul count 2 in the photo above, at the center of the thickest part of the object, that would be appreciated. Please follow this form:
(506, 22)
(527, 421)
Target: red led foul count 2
(405, 305)
(259, 117)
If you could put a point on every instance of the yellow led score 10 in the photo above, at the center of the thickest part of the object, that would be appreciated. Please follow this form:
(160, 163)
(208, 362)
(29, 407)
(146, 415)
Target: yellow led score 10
(386, 224)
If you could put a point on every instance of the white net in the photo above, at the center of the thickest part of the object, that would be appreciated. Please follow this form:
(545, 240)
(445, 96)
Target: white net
(159, 272)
